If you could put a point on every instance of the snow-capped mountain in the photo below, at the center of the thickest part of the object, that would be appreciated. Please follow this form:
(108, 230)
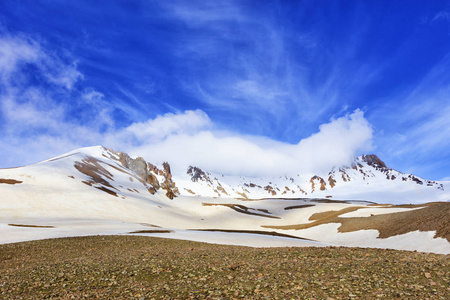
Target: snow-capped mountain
(367, 178)
(100, 191)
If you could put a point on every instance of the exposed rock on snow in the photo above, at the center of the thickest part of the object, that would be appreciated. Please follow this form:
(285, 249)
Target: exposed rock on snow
(92, 168)
(99, 191)
(367, 178)
(10, 181)
(148, 173)
(373, 160)
(197, 174)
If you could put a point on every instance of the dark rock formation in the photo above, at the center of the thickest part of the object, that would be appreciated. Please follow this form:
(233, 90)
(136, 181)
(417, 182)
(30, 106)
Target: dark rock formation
(153, 181)
(198, 174)
(148, 172)
(169, 184)
(331, 181)
(270, 189)
(374, 161)
(321, 181)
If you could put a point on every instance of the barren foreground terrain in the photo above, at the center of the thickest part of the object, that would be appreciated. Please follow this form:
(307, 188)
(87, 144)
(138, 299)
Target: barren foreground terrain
(136, 267)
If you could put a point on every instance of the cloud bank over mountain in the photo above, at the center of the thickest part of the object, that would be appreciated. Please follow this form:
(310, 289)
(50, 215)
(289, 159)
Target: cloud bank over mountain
(336, 143)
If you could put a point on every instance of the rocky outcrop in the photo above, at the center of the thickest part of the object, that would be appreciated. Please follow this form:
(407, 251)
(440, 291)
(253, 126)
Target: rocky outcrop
(222, 190)
(331, 181)
(169, 184)
(365, 167)
(252, 185)
(138, 165)
(198, 174)
(320, 181)
(374, 161)
(153, 181)
(148, 173)
(344, 175)
(244, 195)
(270, 190)
(378, 164)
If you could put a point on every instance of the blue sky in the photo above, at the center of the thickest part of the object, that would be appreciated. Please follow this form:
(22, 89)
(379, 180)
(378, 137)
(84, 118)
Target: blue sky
(273, 83)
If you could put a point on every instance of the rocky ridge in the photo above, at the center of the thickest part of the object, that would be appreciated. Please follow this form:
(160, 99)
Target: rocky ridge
(367, 170)
(149, 173)
(365, 173)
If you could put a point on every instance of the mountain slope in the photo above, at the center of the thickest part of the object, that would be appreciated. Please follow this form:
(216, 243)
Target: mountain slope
(99, 191)
(367, 178)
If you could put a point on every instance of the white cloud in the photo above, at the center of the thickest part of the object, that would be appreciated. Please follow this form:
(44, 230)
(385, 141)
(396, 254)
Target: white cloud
(66, 76)
(15, 50)
(37, 107)
(35, 112)
(336, 143)
(160, 128)
(35, 122)
(98, 106)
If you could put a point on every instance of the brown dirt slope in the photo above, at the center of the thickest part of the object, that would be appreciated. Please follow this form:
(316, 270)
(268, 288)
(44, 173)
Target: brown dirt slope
(432, 217)
(10, 181)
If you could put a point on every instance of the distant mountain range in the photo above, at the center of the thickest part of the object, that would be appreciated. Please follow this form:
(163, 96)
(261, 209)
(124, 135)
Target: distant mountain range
(367, 178)
(96, 190)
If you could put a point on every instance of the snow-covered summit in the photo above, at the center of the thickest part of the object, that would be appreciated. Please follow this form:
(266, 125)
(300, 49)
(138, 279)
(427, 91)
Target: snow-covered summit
(367, 178)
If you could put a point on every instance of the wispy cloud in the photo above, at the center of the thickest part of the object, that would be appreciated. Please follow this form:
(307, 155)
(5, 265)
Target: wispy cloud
(442, 15)
(198, 13)
(19, 51)
(418, 123)
(256, 66)
(41, 112)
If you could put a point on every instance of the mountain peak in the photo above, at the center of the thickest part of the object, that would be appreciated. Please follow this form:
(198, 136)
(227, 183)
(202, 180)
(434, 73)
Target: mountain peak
(367, 178)
(374, 161)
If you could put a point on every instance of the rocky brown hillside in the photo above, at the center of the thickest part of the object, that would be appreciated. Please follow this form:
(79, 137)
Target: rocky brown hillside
(133, 267)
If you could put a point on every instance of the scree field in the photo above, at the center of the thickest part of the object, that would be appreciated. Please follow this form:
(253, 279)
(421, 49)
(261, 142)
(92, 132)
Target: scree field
(136, 267)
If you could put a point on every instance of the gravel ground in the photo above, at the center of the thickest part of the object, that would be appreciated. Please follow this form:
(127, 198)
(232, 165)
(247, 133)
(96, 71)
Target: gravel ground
(136, 267)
